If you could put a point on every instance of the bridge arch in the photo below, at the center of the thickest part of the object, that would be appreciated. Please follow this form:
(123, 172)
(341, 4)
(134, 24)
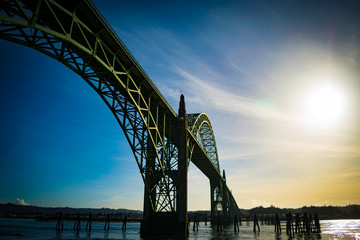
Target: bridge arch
(75, 34)
(200, 126)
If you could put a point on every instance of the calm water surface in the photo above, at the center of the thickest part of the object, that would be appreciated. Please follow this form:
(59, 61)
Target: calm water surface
(20, 229)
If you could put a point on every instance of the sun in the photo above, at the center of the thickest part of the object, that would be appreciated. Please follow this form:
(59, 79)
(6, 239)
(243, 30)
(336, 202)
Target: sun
(325, 105)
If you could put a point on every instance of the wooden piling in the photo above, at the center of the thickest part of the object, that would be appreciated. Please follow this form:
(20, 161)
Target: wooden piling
(317, 223)
(236, 224)
(306, 225)
(77, 225)
(196, 224)
(277, 224)
(89, 222)
(218, 225)
(124, 223)
(297, 223)
(60, 222)
(107, 222)
(256, 223)
(289, 224)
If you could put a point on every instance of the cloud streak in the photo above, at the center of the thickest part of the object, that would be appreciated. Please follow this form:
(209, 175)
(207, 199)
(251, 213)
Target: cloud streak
(21, 202)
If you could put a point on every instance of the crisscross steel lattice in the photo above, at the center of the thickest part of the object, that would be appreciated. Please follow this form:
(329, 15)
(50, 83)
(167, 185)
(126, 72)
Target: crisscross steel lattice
(76, 34)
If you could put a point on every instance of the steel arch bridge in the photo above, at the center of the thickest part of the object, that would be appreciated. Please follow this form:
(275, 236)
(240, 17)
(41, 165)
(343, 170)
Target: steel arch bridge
(163, 143)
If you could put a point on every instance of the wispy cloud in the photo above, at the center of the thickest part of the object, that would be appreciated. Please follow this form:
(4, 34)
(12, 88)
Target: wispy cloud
(213, 96)
(20, 201)
(257, 203)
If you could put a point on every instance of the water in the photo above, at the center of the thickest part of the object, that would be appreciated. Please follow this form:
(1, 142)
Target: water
(20, 229)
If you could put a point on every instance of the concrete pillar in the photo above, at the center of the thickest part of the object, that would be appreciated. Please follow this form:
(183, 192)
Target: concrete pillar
(183, 157)
(148, 213)
(212, 203)
(224, 203)
(171, 223)
(227, 216)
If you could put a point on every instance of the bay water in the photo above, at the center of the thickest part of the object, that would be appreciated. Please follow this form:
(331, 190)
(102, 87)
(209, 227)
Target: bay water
(20, 229)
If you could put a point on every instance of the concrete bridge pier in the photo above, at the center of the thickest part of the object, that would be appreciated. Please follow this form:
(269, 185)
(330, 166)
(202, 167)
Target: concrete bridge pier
(221, 205)
(218, 213)
(172, 223)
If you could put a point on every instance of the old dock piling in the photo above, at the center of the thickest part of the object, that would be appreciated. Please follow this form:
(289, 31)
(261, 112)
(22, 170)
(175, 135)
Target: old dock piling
(236, 224)
(89, 222)
(297, 223)
(256, 224)
(304, 223)
(317, 223)
(77, 225)
(107, 222)
(219, 227)
(124, 223)
(289, 224)
(277, 223)
(196, 224)
(76, 220)
(60, 222)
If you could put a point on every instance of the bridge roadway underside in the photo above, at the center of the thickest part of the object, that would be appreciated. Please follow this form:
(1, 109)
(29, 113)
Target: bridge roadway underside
(201, 160)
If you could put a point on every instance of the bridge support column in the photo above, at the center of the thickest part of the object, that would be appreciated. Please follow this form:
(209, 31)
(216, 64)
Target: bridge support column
(220, 204)
(182, 191)
(217, 214)
(172, 223)
(225, 204)
(227, 216)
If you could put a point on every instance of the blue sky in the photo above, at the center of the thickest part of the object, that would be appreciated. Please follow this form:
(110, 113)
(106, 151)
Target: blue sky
(250, 65)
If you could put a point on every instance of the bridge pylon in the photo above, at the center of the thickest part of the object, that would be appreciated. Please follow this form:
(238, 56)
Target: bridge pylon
(220, 213)
(170, 222)
(223, 205)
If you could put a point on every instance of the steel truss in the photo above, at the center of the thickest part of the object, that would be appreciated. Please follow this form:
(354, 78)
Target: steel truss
(76, 34)
(70, 36)
(200, 126)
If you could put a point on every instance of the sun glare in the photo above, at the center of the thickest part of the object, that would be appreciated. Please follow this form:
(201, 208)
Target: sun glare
(325, 106)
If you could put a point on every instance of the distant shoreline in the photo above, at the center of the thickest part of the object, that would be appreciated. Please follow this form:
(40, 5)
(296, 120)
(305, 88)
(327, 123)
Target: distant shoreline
(10, 210)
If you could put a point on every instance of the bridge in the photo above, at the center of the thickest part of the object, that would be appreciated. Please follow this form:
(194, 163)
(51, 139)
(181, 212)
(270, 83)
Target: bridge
(163, 142)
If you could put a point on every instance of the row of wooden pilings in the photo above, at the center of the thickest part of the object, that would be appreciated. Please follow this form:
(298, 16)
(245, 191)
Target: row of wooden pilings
(295, 224)
(304, 223)
(218, 223)
(90, 219)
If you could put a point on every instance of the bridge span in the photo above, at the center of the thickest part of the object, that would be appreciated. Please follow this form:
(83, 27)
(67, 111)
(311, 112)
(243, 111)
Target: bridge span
(163, 142)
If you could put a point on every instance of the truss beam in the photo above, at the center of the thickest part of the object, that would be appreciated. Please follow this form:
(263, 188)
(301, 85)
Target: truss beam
(76, 34)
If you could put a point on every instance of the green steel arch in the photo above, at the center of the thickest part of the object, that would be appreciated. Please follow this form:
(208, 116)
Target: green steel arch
(200, 126)
(76, 34)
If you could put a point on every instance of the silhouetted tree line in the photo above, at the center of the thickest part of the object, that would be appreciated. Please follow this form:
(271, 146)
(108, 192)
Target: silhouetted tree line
(27, 211)
(324, 212)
